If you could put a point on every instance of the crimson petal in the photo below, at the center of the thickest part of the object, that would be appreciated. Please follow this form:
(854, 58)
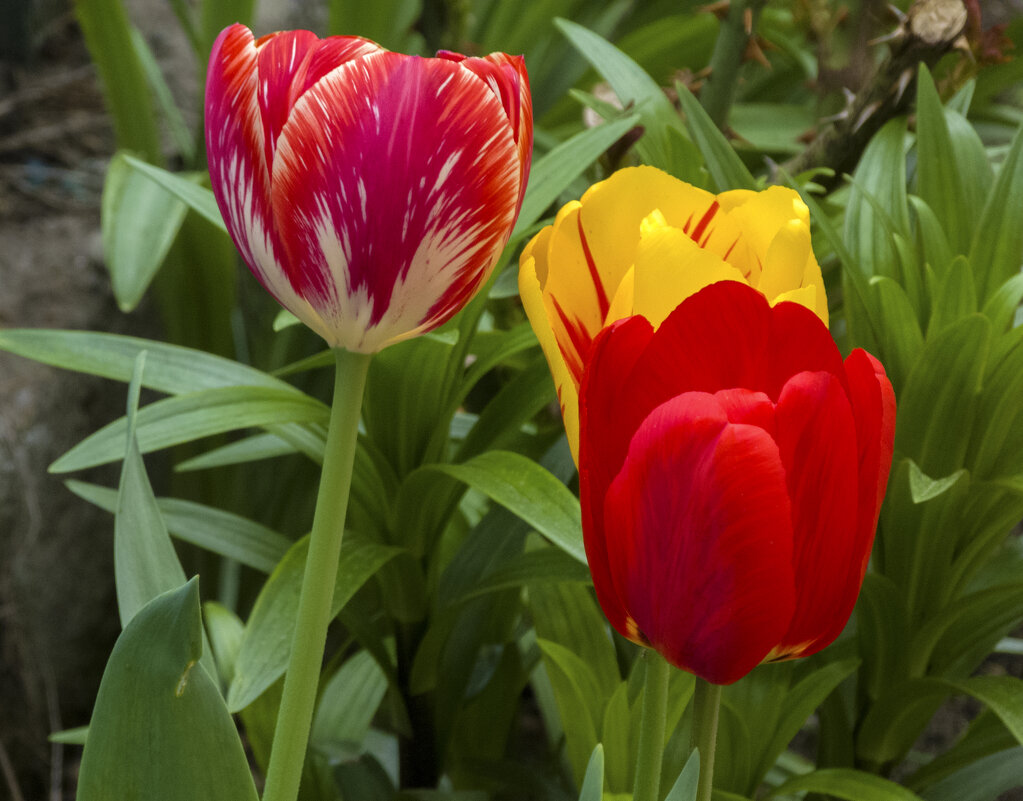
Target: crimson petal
(699, 538)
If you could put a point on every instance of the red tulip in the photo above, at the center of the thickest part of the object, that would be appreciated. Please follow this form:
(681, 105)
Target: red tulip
(370, 192)
(731, 473)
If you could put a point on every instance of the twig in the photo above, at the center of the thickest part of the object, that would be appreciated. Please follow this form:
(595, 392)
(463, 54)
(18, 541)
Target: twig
(925, 34)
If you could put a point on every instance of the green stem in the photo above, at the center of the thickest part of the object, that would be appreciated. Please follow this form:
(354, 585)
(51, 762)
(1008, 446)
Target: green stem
(651, 733)
(300, 683)
(734, 34)
(706, 703)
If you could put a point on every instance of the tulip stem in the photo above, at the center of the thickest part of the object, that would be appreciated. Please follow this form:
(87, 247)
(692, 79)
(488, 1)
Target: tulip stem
(651, 733)
(294, 719)
(706, 704)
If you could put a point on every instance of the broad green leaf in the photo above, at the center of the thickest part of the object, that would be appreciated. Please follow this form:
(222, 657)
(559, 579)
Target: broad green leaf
(725, 167)
(897, 718)
(140, 220)
(169, 368)
(617, 738)
(107, 34)
(772, 127)
(164, 99)
(973, 165)
(247, 449)
(522, 486)
(902, 339)
(221, 532)
(593, 779)
(1003, 303)
(939, 399)
(145, 563)
(185, 418)
(688, 781)
(348, 702)
(880, 177)
(997, 247)
(636, 90)
(954, 298)
(197, 198)
(939, 182)
(580, 701)
(1003, 695)
(853, 785)
(986, 779)
(932, 241)
(225, 630)
(155, 692)
(266, 645)
(555, 170)
(540, 566)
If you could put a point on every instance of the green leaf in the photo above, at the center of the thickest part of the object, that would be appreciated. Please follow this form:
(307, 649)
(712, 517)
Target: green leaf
(955, 297)
(880, 176)
(636, 90)
(902, 339)
(1003, 695)
(931, 238)
(266, 645)
(938, 402)
(522, 486)
(107, 34)
(140, 220)
(553, 172)
(185, 418)
(985, 779)
(593, 780)
(169, 368)
(725, 167)
(225, 631)
(1001, 307)
(580, 701)
(145, 563)
(997, 247)
(939, 182)
(853, 785)
(221, 532)
(155, 692)
(197, 198)
(388, 22)
(247, 449)
(348, 702)
(164, 99)
(540, 566)
(922, 487)
(688, 781)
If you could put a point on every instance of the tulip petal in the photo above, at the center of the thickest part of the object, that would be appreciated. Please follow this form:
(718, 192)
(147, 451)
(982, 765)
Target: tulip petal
(239, 173)
(397, 202)
(699, 539)
(817, 440)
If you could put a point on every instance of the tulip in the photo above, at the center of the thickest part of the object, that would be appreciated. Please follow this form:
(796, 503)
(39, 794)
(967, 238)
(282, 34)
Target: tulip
(370, 192)
(731, 472)
(641, 242)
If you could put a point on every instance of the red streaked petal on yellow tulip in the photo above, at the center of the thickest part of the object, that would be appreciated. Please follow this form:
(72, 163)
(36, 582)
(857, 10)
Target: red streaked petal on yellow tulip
(397, 202)
(699, 530)
(817, 440)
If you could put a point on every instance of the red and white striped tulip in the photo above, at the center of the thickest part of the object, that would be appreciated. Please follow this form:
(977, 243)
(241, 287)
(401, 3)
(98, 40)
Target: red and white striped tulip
(370, 192)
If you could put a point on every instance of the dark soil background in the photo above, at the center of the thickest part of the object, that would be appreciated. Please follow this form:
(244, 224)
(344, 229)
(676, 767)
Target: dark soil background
(58, 616)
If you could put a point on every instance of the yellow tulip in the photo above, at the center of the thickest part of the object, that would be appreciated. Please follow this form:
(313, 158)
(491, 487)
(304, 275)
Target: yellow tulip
(641, 242)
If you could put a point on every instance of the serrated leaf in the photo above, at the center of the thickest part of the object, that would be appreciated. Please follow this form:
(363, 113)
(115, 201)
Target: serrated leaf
(154, 691)
(184, 418)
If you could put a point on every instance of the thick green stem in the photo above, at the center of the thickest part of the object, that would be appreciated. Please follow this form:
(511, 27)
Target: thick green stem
(734, 35)
(651, 734)
(300, 683)
(706, 703)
